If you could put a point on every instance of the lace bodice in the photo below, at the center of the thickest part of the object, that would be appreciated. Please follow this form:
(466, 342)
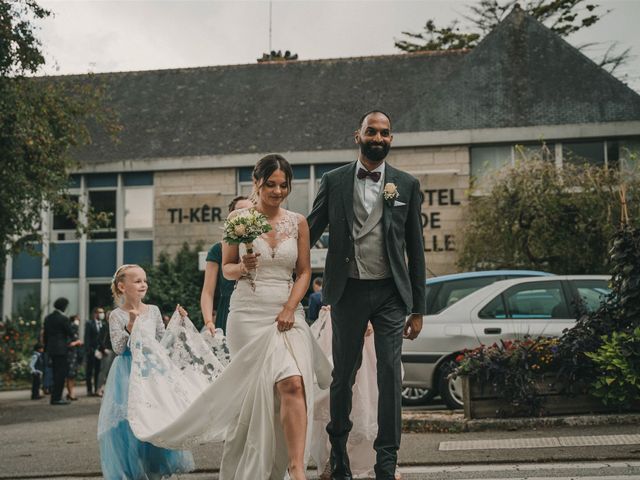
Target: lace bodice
(278, 252)
(118, 319)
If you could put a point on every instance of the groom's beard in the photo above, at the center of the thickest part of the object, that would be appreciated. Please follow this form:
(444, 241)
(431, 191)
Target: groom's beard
(376, 152)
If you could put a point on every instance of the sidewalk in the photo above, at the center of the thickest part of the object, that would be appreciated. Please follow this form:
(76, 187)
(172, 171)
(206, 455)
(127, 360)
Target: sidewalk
(40, 440)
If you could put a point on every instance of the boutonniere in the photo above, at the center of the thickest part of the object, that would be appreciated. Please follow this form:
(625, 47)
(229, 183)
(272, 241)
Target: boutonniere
(390, 191)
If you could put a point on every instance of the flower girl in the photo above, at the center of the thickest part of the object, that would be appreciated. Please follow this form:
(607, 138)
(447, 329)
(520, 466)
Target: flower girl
(122, 455)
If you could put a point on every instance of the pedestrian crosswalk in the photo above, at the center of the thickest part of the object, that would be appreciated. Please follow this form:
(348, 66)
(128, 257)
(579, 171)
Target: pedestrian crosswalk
(541, 442)
(526, 471)
(620, 470)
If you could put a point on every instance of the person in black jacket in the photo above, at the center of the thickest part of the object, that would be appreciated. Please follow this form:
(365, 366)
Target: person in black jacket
(57, 338)
(92, 331)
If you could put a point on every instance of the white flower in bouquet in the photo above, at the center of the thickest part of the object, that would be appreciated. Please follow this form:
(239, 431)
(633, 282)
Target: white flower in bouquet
(245, 228)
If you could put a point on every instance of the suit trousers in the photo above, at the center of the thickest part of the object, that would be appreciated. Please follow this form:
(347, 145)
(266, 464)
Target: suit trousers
(60, 366)
(92, 372)
(379, 302)
(35, 386)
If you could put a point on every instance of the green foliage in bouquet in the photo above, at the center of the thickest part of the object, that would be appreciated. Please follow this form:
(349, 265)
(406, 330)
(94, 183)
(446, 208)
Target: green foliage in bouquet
(617, 362)
(245, 228)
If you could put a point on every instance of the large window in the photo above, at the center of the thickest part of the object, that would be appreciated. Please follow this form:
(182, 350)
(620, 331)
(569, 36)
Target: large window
(579, 153)
(26, 299)
(68, 290)
(103, 203)
(100, 296)
(138, 212)
(629, 153)
(489, 159)
(63, 224)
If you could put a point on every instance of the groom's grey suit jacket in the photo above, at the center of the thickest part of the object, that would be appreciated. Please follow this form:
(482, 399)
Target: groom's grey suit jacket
(402, 226)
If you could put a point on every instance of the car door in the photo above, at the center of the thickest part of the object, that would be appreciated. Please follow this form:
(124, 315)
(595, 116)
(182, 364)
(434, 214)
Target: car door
(530, 308)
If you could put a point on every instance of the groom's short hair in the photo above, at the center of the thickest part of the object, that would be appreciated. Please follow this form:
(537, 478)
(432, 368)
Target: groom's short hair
(369, 113)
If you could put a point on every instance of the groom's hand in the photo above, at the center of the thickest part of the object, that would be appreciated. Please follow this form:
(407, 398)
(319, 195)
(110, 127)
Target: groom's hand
(413, 326)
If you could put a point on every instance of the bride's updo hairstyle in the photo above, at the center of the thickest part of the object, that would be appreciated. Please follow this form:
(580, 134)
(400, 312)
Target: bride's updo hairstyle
(118, 277)
(265, 168)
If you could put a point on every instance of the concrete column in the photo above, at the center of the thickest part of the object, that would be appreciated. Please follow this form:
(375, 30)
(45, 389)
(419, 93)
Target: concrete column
(83, 292)
(7, 304)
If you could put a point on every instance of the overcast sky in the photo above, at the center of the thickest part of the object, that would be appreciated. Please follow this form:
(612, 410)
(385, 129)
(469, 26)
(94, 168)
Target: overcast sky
(105, 36)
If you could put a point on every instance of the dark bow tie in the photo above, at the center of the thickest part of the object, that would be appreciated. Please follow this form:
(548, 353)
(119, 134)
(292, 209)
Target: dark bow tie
(362, 174)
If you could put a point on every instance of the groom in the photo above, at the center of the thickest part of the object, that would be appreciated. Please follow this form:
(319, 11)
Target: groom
(375, 271)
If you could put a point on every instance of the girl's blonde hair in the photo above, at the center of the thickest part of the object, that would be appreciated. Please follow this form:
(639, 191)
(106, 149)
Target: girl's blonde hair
(119, 277)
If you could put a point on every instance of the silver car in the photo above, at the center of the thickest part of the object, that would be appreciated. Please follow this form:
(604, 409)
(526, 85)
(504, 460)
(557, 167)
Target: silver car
(507, 309)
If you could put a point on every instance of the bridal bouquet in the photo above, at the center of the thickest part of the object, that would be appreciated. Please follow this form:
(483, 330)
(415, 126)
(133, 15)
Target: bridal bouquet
(245, 228)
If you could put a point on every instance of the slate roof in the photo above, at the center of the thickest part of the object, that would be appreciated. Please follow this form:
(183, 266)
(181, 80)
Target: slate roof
(521, 74)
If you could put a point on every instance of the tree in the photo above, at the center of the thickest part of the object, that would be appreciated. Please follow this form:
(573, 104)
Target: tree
(177, 280)
(536, 216)
(561, 16)
(41, 120)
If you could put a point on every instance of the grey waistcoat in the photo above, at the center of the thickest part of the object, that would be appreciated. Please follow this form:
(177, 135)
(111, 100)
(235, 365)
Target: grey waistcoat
(368, 237)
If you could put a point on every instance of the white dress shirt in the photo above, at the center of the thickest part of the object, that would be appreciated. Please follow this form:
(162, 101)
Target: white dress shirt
(366, 188)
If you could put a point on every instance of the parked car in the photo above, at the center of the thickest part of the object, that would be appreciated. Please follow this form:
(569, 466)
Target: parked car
(507, 309)
(446, 290)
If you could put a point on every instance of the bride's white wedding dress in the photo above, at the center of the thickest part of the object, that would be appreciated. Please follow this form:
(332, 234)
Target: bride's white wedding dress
(182, 392)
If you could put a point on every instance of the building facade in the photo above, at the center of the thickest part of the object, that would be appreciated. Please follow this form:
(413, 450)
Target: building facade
(191, 137)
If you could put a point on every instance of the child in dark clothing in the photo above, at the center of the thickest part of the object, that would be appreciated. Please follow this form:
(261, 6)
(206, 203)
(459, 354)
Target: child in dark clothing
(37, 369)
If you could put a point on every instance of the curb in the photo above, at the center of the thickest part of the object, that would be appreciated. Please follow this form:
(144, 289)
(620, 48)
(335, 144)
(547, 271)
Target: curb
(454, 422)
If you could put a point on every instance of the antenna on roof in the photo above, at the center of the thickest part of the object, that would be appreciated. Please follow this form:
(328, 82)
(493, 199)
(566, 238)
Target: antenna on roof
(272, 55)
(270, 22)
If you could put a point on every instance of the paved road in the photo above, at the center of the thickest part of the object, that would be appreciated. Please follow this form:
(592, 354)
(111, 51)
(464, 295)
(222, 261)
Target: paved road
(552, 471)
(41, 441)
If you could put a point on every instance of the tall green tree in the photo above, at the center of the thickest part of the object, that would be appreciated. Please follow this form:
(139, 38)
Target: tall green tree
(564, 17)
(176, 279)
(536, 216)
(41, 120)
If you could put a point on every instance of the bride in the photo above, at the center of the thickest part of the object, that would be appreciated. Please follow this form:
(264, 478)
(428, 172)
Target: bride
(261, 404)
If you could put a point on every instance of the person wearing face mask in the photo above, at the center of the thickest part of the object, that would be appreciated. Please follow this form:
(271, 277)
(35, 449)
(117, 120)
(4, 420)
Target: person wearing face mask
(92, 331)
(74, 357)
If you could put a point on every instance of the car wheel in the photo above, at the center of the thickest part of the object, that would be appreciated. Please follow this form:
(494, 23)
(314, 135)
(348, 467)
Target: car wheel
(416, 396)
(450, 389)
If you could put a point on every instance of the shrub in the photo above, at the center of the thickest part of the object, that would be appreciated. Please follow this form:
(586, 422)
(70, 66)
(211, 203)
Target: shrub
(177, 280)
(513, 368)
(617, 362)
(17, 338)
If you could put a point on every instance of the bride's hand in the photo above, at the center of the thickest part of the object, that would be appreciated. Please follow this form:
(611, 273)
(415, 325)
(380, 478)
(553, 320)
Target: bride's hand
(211, 328)
(286, 318)
(250, 261)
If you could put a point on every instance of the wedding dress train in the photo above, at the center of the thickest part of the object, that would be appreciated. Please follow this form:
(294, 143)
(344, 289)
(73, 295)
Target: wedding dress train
(184, 391)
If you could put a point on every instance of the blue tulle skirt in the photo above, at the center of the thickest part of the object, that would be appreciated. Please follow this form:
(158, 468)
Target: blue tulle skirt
(122, 455)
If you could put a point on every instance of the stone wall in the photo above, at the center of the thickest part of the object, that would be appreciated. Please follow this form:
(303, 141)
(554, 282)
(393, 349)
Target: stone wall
(190, 206)
(444, 178)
